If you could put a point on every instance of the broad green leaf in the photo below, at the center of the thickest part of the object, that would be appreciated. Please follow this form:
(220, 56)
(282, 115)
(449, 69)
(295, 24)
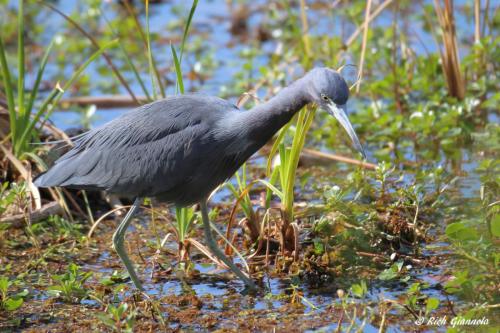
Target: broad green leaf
(432, 304)
(4, 284)
(495, 226)
(12, 304)
(460, 232)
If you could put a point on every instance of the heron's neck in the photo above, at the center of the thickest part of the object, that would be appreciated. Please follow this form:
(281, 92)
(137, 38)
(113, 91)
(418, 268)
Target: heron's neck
(265, 119)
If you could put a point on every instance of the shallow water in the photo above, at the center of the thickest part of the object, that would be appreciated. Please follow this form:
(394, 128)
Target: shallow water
(217, 292)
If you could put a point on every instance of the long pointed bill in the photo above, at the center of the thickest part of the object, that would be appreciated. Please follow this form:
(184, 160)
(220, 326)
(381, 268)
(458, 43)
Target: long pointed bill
(339, 112)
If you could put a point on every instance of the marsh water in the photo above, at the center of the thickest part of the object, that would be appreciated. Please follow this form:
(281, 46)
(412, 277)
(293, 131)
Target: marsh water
(229, 49)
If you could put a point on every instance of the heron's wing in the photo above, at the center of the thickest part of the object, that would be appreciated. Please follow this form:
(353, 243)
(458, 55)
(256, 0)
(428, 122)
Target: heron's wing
(142, 152)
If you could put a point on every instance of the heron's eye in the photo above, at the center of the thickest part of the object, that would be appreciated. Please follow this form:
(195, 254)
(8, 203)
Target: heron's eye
(324, 97)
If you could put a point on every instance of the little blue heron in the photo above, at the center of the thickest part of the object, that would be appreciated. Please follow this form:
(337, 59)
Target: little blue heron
(178, 150)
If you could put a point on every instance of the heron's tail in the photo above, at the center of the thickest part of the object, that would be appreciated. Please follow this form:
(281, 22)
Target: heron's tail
(48, 178)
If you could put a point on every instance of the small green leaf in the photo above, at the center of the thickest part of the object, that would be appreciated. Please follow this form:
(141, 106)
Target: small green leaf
(12, 304)
(319, 248)
(22, 294)
(460, 232)
(432, 304)
(359, 290)
(178, 71)
(4, 284)
(495, 226)
(391, 272)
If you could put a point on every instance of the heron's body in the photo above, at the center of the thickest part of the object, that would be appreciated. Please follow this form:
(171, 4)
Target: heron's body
(181, 148)
(177, 150)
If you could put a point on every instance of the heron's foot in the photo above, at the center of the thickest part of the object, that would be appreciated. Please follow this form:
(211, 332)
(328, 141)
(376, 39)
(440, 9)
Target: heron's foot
(212, 245)
(247, 280)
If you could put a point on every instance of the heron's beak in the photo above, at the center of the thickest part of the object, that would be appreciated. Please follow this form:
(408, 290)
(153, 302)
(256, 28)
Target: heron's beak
(339, 112)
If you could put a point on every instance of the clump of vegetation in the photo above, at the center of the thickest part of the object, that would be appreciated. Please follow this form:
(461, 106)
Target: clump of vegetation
(340, 246)
(9, 301)
(70, 286)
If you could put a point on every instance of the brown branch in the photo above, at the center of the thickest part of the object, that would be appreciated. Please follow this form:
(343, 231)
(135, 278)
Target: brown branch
(373, 15)
(103, 102)
(363, 45)
(18, 220)
(339, 158)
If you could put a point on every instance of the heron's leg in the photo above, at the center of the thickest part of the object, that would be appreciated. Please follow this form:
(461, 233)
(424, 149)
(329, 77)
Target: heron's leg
(118, 242)
(217, 252)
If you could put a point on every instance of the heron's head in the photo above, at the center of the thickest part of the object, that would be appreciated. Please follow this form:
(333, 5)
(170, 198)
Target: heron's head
(330, 92)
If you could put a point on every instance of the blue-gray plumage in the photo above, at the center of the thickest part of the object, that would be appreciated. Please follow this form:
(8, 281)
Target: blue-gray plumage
(180, 149)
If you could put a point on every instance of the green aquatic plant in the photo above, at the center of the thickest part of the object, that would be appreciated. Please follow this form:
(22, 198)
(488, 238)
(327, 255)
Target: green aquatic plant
(285, 171)
(9, 302)
(241, 193)
(184, 215)
(70, 286)
(24, 113)
(7, 197)
(119, 318)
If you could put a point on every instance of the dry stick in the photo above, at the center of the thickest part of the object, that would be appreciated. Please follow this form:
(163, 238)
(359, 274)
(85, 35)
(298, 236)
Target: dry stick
(449, 57)
(477, 35)
(94, 226)
(18, 220)
(477, 23)
(72, 201)
(295, 228)
(114, 101)
(15, 162)
(363, 45)
(23, 171)
(97, 46)
(373, 15)
(202, 248)
(382, 321)
(233, 214)
(339, 158)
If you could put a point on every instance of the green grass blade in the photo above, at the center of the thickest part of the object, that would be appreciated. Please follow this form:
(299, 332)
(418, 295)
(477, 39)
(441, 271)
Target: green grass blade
(179, 215)
(38, 79)
(20, 61)
(133, 14)
(9, 92)
(57, 92)
(135, 71)
(20, 144)
(178, 72)
(97, 46)
(275, 147)
(217, 231)
(273, 188)
(272, 181)
(186, 27)
(282, 165)
(127, 58)
(304, 121)
(244, 203)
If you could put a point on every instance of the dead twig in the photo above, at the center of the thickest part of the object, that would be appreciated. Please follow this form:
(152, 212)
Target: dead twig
(449, 53)
(373, 15)
(106, 102)
(363, 45)
(18, 220)
(339, 158)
